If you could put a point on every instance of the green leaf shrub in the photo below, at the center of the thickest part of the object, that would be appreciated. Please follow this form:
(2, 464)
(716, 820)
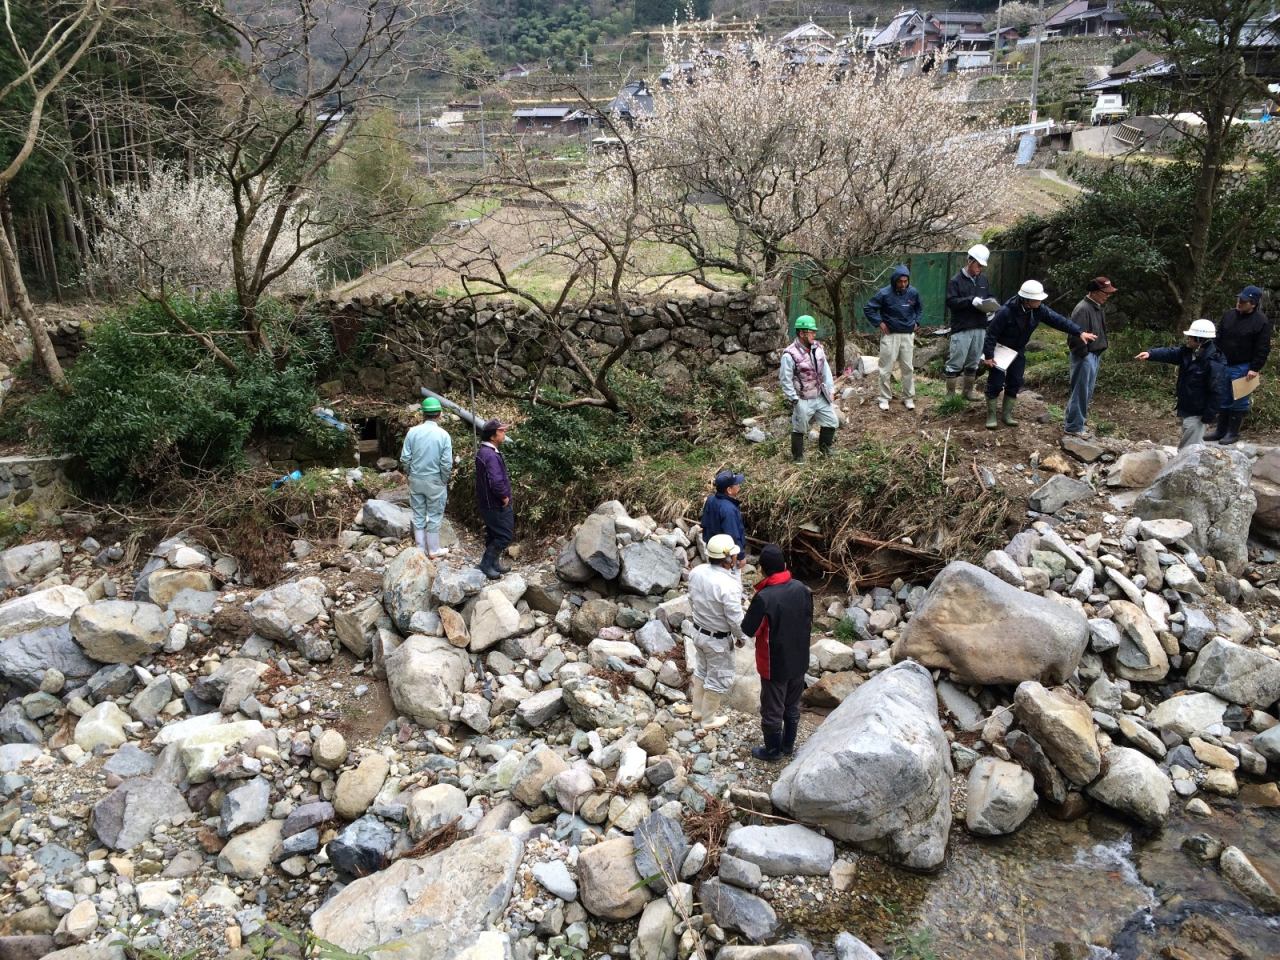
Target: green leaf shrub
(147, 398)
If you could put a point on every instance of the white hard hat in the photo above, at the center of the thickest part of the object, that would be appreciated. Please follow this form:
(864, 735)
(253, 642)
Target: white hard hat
(980, 253)
(721, 546)
(1203, 329)
(1032, 290)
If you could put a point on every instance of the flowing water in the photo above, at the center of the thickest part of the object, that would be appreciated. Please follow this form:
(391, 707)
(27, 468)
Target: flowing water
(1091, 882)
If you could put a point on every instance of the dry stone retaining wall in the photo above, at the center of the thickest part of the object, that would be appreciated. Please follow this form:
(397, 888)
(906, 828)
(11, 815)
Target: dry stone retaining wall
(403, 342)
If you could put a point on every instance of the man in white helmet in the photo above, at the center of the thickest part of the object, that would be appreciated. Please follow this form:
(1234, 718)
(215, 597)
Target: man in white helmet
(966, 292)
(1011, 326)
(716, 597)
(1202, 378)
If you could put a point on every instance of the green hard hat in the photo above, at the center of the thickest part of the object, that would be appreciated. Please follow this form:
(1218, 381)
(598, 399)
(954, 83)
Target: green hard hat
(805, 323)
(431, 405)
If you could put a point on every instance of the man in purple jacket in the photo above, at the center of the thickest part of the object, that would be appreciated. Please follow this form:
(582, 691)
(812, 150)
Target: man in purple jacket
(493, 497)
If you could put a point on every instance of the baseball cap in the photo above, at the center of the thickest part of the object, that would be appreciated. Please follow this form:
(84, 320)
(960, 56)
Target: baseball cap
(493, 426)
(1251, 293)
(1101, 285)
(727, 478)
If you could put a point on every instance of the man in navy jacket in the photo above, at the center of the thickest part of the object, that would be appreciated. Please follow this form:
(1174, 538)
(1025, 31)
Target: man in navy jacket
(1011, 326)
(896, 310)
(493, 497)
(723, 514)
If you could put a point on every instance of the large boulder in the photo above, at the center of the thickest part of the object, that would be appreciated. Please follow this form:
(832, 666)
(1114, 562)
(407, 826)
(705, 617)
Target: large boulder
(1133, 784)
(25, 658)
(1266, 487)
(608, 881)
(877, 772)
(164, 585)
(596, 543)
(1236, 674)
(1063, 726)
(649, 568)
(493, 619)
(274, 613)
(592, 617)
(119, 631)
(1138, 468)
(423, 674)
(1188, 715)
(385, 519)
(29, 562)
(126, 816)
(1140, 655)
(357, 627)
(1057, 492)
(1001, 796)
(1208, 486)
(406, 587)
(786, 851)
(44, 608)
(985, 631)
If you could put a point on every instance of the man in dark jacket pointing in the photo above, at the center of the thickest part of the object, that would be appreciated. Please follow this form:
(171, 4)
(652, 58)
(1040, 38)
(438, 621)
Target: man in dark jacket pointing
(1011, 327)
(781, 618)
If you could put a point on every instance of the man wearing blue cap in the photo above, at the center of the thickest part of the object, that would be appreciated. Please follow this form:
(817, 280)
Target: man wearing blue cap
(722, 513)
(1244, 337)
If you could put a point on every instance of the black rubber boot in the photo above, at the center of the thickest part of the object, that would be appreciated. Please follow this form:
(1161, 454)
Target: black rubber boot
(772, 749)
(1234, 422)
(1224, 424)
(486, 565)
(789, 730)
(826, 440)
(797, 447)
(499, 565)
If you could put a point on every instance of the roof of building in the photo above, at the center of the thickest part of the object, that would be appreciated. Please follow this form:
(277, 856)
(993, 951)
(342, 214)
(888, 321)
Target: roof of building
(806, 31)
(542, 113)
(1143, 58)
(633, 100)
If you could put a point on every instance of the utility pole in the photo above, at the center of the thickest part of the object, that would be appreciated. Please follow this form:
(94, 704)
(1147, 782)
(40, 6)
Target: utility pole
(995, 57)
(484, 157)
(1035, 68)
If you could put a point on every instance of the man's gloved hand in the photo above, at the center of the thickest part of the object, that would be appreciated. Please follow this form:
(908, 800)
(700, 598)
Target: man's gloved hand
(977, 301)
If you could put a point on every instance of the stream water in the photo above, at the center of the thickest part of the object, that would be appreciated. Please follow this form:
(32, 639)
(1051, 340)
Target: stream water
(1092, 882)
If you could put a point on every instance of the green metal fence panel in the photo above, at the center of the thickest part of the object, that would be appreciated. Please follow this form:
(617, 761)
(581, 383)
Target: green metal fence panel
(929, 274)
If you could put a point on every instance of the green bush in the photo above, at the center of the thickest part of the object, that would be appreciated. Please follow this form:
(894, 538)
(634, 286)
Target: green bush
(147, 399)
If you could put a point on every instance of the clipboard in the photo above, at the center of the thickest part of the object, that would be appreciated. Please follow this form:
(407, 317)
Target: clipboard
(1004, 356)
(990, 305)
(1244, 386)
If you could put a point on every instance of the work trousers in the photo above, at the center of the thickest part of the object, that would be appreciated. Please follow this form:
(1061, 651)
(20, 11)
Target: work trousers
(499, 528)
(779, 700)
(817, 410)
(715, 665)
(1010, 381)
(1192, 432)
(966, 352)
(1229, 402)
(427, 500)
(897, 348)
(1084, 377)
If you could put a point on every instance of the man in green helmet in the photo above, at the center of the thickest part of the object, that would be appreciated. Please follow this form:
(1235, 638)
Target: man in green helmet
(427, 458)
(807, 382)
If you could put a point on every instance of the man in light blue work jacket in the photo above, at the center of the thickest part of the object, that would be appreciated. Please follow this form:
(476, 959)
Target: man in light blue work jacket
(427, 458)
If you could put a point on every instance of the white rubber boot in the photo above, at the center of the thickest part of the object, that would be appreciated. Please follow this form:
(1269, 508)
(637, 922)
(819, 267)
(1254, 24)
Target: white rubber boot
(420, 538)
(712, 718)
(434, 550)
(695, 699)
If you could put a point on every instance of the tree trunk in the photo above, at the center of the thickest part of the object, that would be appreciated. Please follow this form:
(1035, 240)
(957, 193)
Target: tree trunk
(1191, 280)
(39, 335)
(833, 286)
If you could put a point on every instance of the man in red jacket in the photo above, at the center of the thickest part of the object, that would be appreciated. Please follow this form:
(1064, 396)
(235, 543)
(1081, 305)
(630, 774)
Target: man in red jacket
(781, 617)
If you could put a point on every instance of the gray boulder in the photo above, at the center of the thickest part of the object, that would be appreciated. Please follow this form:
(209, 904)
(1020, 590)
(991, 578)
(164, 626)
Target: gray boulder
(570, 568)
(29, 562)
(406, 587)
(655, 639)
(25, 658)
(660, 848)
(357, 627)
(1062, 725)
(735, 909)
(849, 947)
(384, 519)
(452, 586)
(126, 816)
(423, 674)
(1208, 486)
(245, 806)
(1236, 674)
(790, 851)
(1132, 784)
(275, 613)
(1057, 492)
(985, 631)
(44, 608)
(361, 848)
(119, 631)
(609, 882)
(1001, 796)
(430, 906)
(877, 772)
(596, 543)
(649, 568)
(493, 619)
